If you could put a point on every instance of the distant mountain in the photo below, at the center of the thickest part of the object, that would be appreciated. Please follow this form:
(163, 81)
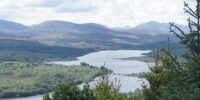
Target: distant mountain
(91, 35)
(153, 28)
(9, 26)
(63, 40)
(57, 27)
(122, 28)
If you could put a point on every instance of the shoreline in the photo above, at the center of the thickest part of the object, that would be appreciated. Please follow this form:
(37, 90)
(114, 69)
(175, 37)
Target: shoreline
(111, 57)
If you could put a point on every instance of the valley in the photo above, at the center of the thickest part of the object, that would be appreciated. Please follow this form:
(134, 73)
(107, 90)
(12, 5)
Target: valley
(34, 60)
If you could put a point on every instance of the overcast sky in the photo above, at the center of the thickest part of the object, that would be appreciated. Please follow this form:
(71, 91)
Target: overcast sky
(113, 13)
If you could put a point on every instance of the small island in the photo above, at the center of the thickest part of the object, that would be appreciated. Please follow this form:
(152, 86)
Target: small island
(143, 59)
(138, 75)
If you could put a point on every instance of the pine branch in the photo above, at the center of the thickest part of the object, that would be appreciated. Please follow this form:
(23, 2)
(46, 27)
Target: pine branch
(172, 31)
(187, 11)
(190, 11)
(174, 58)
(172, 25)
(189, 25)
(194, 23)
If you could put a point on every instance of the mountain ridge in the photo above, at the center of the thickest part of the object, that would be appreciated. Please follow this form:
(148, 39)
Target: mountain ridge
(92, 35)
(10, 26)
(152, 28)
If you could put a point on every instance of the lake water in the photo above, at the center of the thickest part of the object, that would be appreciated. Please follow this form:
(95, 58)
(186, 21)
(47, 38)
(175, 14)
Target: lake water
(112, 61)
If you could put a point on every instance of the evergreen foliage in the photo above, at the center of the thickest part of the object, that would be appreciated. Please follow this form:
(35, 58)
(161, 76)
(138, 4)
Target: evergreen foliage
(104, 90)
(107, 90)
(171, 79)
(71, 92)
(46, 97)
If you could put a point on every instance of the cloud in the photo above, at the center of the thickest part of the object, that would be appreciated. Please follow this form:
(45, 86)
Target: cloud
(30, 3)
(112, 13)
(76, 6)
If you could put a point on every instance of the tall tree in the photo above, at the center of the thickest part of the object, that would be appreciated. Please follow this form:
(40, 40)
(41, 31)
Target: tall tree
(192, 41)
(46, 97)
(161, 73)
(171, 79)
(108, 90)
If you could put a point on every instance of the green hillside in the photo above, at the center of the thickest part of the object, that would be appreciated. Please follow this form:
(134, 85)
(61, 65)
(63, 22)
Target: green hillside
(30, 51)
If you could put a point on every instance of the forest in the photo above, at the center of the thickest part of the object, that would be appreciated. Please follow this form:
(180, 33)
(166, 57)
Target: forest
(19, 79)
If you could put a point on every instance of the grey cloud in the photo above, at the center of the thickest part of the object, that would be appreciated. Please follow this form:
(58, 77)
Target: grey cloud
(74, 9)
(108, 12)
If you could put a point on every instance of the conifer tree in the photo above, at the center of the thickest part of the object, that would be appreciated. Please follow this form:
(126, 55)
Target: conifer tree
(46, 97)
(171, 79)
(160, 74)
(192, 41)
(106, 89)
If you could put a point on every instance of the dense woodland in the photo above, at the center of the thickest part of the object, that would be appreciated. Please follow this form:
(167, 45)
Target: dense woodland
(169, 78)
(18, 79)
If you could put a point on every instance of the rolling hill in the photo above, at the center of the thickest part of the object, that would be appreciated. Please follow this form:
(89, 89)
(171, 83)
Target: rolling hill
(57, 27)
(151, 28)
(9, 26)
(30, 51)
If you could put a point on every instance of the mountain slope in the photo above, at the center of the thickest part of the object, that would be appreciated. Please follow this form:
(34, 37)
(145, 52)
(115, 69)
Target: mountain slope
(153, 28)
(30, 51)
(56, 27)
(88, 35)
(96, 36)
(9, 26)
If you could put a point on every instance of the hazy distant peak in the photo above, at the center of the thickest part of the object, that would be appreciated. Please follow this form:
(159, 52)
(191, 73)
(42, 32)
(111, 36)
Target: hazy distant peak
(153, 22)
(55, 22)
(11, 26)
(151, 28)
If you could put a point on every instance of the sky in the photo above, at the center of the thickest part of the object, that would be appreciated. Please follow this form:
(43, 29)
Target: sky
(112, 13)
